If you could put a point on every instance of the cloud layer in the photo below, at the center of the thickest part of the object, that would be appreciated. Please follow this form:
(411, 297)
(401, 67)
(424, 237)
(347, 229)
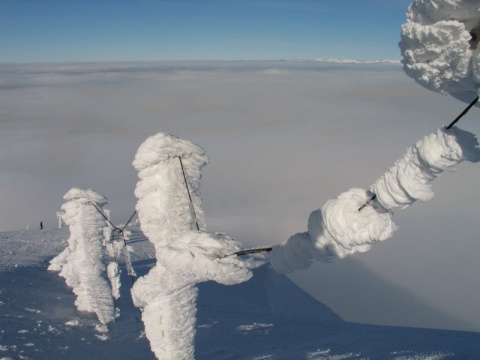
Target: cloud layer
(275, 133)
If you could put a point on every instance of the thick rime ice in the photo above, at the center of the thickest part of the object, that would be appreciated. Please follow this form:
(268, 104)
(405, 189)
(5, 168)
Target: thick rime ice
(409, 179)
(82, 262)
(113, 247)
(340, 229)
(336, 230)
(126, 252)
(439, 45)
(170, 214)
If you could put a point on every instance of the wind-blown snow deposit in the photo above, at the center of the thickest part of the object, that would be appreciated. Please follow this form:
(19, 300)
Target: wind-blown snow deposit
(82, 263)
(170, 214)
(439, 45)
(339, 228)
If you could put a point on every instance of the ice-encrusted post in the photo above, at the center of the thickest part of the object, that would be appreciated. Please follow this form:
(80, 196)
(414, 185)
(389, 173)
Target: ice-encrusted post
(170, 214)
(82, 263)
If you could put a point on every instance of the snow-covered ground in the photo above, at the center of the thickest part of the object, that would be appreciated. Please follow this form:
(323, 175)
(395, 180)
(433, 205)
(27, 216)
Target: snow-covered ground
(267, 317)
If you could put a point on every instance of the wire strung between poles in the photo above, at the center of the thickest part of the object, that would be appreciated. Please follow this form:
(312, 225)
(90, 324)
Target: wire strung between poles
(463, 113)
(104, 216)
(253, 251)
(130, 219)
(192, 207)
(367, 202)
(120, 231)
(447, 127)
(247, 252)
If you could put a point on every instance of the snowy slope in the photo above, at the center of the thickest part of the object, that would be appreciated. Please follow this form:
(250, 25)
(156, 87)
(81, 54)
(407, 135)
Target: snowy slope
(267, 317)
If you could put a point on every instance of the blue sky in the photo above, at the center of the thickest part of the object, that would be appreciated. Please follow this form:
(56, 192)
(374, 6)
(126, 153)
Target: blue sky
(121, 30)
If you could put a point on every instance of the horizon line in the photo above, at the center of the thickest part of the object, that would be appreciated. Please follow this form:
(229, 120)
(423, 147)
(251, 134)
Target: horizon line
(321, 60)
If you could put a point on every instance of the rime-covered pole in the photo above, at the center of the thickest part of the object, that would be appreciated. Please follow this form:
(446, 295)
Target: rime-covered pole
(82, 263)
(170, 214)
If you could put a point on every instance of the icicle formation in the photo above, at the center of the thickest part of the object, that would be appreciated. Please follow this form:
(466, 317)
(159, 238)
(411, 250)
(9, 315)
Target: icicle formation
(113, 248)
(169, 210)
(81, 263)
(439, 45)
(339, 229)
(126, 249)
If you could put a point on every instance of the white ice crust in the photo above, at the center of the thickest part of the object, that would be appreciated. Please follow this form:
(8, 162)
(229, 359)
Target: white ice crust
(114, 246)
(439, 45)
(82, 263)
(339, 229)
(185, 253)
(409, 179)
(163, 199)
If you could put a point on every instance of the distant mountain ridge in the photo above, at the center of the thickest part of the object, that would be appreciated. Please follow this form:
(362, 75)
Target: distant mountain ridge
(353, 61)
(271, 296)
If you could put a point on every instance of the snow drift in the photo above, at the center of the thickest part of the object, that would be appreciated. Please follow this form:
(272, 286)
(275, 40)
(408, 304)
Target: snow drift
(439, 45)
(170, 214)
(340, 228)
(82, 263)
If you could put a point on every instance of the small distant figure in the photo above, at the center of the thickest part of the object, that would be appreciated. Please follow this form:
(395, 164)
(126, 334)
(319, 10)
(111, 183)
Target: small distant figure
(41, 225)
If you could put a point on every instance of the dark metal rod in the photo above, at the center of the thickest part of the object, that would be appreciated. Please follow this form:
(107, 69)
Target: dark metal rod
(104, 216)
(463, 113)
(128, 222)
(252, 251)
(247, 252)
(188, 191)
(367, 202)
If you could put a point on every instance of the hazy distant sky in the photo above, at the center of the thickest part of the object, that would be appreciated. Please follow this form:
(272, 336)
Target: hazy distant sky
(119, 30)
